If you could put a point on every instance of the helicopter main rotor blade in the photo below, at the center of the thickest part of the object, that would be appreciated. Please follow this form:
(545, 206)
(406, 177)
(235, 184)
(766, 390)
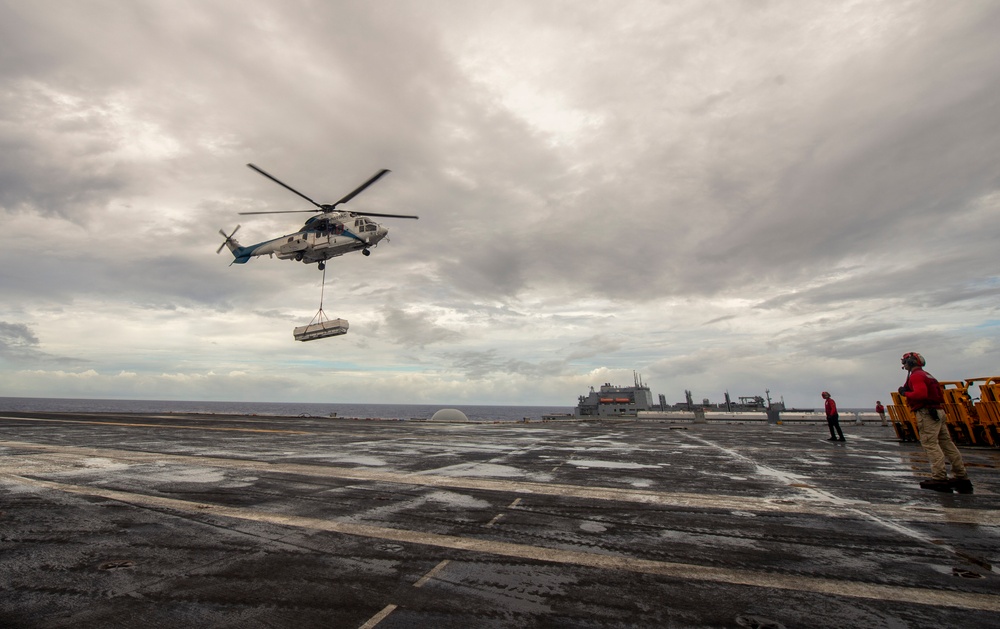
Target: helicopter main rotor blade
(281, 212)
(359, 189)
(288, 187)
(386, 215)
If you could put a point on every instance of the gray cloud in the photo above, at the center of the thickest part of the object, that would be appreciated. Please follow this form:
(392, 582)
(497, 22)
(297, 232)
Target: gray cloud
(416, 329)
(684, 189)
(21, 348)
(16, 337)
(479, 365)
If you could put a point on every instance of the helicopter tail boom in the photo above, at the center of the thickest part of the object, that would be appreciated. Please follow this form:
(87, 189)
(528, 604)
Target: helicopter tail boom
(240, 256)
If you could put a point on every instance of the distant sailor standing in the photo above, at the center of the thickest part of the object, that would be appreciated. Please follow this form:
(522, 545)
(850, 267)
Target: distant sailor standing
(881, 411)
(924, 397)
(832, 418)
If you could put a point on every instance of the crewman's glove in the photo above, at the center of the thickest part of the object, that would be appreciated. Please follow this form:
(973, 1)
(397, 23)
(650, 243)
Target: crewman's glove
(902, 390)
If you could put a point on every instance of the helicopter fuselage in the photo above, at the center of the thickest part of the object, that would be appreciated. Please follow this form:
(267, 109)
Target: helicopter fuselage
(321, 238)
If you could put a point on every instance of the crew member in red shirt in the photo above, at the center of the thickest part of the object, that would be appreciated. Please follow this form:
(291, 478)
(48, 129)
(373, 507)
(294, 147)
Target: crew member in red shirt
(832, 418)
(924, 397)
(881, 411)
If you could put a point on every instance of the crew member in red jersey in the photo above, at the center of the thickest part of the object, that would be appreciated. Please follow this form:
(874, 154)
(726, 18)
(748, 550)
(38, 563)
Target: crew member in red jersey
(924, 397)
(881, 411)
(832, 418)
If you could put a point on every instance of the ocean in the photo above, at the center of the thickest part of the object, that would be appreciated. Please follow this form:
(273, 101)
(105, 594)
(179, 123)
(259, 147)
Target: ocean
(282, 409)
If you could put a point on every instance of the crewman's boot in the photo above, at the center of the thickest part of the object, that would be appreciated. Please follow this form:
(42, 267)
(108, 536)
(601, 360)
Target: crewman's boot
(937, 485)
(962, 485)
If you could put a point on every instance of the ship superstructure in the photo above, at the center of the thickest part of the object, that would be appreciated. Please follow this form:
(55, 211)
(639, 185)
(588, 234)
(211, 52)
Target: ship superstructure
(615, 401)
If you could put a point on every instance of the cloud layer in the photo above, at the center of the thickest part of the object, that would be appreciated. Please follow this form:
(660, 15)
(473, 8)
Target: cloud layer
(721, 196)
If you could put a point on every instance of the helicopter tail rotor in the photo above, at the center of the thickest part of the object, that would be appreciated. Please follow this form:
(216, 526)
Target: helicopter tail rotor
(228, 240)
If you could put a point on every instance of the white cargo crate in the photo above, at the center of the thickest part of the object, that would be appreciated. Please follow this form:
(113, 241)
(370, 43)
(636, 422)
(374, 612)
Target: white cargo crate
(321, 330)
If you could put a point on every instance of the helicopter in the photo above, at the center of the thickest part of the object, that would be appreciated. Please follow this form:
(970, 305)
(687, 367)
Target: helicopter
(329, 234)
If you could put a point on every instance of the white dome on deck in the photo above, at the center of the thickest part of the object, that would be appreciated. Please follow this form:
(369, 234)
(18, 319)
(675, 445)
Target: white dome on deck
(449, 415)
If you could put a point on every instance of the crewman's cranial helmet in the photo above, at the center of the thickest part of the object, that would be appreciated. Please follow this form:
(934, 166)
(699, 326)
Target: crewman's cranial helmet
(912, 359)
(825, 395)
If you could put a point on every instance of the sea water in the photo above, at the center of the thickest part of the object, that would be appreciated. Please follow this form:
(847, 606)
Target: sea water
(283, 409)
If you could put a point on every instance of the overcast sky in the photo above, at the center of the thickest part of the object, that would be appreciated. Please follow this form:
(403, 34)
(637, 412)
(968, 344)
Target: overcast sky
(739, 196)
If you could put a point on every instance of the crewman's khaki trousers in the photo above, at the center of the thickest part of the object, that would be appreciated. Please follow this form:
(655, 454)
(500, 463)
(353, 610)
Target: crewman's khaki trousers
(937, 443)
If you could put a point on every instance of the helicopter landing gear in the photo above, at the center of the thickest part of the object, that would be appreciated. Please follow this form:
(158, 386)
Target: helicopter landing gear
(366, 252)
(321, 266)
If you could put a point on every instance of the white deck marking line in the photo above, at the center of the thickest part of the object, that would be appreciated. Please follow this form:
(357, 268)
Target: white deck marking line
(490, 524)
(379, 617)
(388, 609)
(881, 521)
(497, 517)
(926, 539)
(981, 517)
(681, 571)
(433, 572)
(788, 478)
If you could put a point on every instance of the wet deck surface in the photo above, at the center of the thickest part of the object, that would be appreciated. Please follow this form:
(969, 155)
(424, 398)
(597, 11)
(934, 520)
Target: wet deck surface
(217, 521)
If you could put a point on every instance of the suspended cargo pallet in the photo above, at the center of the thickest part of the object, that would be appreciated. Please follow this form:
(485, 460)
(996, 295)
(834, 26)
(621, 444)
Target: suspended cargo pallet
(320, 326)
(321, 330)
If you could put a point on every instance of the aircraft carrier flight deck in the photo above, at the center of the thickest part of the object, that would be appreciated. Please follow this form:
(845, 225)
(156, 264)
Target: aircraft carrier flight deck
(242, 521)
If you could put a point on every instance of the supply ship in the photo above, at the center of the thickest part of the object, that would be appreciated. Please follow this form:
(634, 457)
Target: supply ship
(628, 401)
(615, 401)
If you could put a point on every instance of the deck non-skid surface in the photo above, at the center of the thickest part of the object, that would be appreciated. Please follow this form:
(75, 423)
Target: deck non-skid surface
(218, 521)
